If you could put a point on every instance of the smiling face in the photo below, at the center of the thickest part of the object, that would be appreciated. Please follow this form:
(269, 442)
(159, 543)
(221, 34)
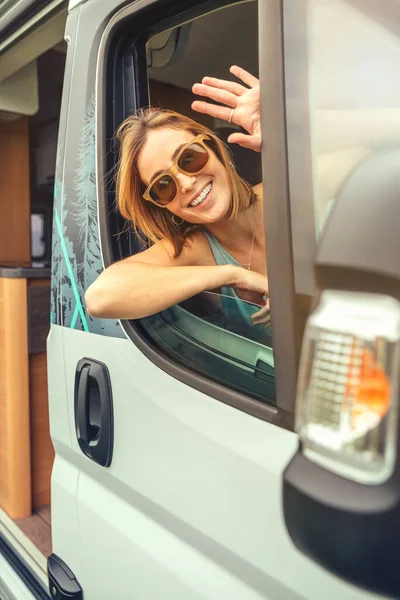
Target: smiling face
(202, 198)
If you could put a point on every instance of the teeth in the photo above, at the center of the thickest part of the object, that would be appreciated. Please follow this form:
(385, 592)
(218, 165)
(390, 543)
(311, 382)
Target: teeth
(201, 196)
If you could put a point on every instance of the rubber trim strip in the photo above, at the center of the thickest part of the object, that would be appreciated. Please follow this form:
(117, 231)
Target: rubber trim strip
(22, 19)
(26, 575)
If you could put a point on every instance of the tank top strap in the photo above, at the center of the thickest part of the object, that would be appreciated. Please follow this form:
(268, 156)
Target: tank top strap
(222, 256)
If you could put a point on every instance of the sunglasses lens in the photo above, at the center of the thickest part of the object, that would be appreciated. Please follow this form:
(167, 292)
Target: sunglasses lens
(163, 191)
(193, 159)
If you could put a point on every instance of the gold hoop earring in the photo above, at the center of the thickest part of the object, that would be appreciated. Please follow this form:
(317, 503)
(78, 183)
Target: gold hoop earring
(176, 222)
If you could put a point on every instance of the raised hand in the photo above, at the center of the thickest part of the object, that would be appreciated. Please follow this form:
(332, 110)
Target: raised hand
(245, 102)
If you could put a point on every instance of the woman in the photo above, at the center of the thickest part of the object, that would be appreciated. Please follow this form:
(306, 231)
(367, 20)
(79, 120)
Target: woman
(177, 185)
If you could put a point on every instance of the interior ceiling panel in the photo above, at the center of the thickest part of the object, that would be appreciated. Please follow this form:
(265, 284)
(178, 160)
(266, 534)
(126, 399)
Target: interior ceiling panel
(226, 25)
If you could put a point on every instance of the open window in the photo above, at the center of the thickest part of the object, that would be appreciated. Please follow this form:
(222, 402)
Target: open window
(156, 62)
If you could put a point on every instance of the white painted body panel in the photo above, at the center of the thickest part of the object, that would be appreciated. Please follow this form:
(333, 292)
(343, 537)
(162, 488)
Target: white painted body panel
(191, 505)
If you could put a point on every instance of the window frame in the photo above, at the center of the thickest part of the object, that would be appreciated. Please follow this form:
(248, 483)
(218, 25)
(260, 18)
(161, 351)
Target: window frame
(300, 160)
(149, 15)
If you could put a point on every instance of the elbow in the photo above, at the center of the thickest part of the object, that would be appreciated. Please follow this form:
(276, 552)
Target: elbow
(96, 304)
(101, 303)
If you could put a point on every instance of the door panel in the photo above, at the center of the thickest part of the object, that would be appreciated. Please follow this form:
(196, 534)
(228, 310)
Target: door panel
(65, 472)
(191, 504)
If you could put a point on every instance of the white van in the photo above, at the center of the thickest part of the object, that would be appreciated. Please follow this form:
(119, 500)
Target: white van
(180, 465)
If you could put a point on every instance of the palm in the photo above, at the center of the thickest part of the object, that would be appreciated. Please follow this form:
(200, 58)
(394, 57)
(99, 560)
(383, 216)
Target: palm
(247, 111)
(240, 105)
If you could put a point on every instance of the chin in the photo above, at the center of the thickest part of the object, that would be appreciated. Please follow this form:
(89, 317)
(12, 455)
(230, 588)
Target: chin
(219, 215)
(217, 211)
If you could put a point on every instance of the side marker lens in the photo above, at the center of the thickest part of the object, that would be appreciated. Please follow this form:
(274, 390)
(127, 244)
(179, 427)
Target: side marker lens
(347, 400)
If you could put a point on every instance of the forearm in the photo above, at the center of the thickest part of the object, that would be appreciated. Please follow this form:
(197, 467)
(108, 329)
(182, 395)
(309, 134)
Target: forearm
(136, 290)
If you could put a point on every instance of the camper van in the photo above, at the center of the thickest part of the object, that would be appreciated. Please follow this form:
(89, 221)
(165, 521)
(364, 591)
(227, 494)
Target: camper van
(174, 457)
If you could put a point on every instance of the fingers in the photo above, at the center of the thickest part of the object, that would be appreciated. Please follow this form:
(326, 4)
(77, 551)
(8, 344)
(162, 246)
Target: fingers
(245, 76)
(262, 317)
(214, 110)
(266, 321)
(223, 84)
(264, 310)
(219, 95)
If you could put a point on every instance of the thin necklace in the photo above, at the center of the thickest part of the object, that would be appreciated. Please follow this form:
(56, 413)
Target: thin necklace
(248, 265)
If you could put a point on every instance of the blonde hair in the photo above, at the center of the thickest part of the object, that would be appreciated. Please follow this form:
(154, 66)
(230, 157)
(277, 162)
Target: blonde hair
(149, 220)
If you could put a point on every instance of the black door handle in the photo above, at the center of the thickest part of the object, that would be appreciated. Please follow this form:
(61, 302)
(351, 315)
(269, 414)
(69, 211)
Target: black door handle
(81, 404)
(94, 423)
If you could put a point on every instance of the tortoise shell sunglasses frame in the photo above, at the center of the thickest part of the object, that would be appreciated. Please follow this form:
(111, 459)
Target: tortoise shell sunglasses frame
(200, 140)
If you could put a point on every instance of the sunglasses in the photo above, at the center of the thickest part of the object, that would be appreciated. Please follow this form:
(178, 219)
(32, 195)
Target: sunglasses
(191, 159)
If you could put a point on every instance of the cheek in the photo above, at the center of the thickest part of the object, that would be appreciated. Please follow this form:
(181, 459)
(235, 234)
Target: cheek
(224, 180)
(174, 208)
(220, 172)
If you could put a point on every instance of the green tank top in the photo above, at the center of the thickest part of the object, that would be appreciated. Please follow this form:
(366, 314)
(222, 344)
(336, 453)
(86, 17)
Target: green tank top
(237, 311)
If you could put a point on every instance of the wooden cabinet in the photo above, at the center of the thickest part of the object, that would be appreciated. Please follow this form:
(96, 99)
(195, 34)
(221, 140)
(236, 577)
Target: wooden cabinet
(15, 209)
(15, 453)
(26, 452)
(42, 453)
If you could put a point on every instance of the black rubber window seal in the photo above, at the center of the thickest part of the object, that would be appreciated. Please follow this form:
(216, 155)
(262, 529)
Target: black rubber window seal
(23, 571)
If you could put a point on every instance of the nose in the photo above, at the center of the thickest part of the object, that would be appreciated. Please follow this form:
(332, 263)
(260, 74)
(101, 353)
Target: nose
(186, 182)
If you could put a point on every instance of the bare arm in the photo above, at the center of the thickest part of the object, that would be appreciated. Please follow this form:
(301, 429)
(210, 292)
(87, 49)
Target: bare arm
(131, 290)
(152, 281)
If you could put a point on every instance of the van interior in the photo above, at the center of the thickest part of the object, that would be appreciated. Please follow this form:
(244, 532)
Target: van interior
(28, 157)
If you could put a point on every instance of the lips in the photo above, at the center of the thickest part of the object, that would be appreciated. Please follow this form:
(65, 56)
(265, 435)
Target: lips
(202, 196)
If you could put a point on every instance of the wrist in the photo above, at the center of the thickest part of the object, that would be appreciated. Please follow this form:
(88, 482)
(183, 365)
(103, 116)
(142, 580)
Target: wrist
(233, 273)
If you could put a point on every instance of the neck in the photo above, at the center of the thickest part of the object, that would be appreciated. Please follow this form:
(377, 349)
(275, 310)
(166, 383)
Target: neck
(232, 233)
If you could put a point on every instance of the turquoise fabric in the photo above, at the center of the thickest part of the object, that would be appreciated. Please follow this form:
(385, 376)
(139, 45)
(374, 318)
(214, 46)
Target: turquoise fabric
(238, 312)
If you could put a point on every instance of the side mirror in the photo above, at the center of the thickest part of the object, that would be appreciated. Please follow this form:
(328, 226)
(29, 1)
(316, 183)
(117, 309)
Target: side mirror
(341, 491)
